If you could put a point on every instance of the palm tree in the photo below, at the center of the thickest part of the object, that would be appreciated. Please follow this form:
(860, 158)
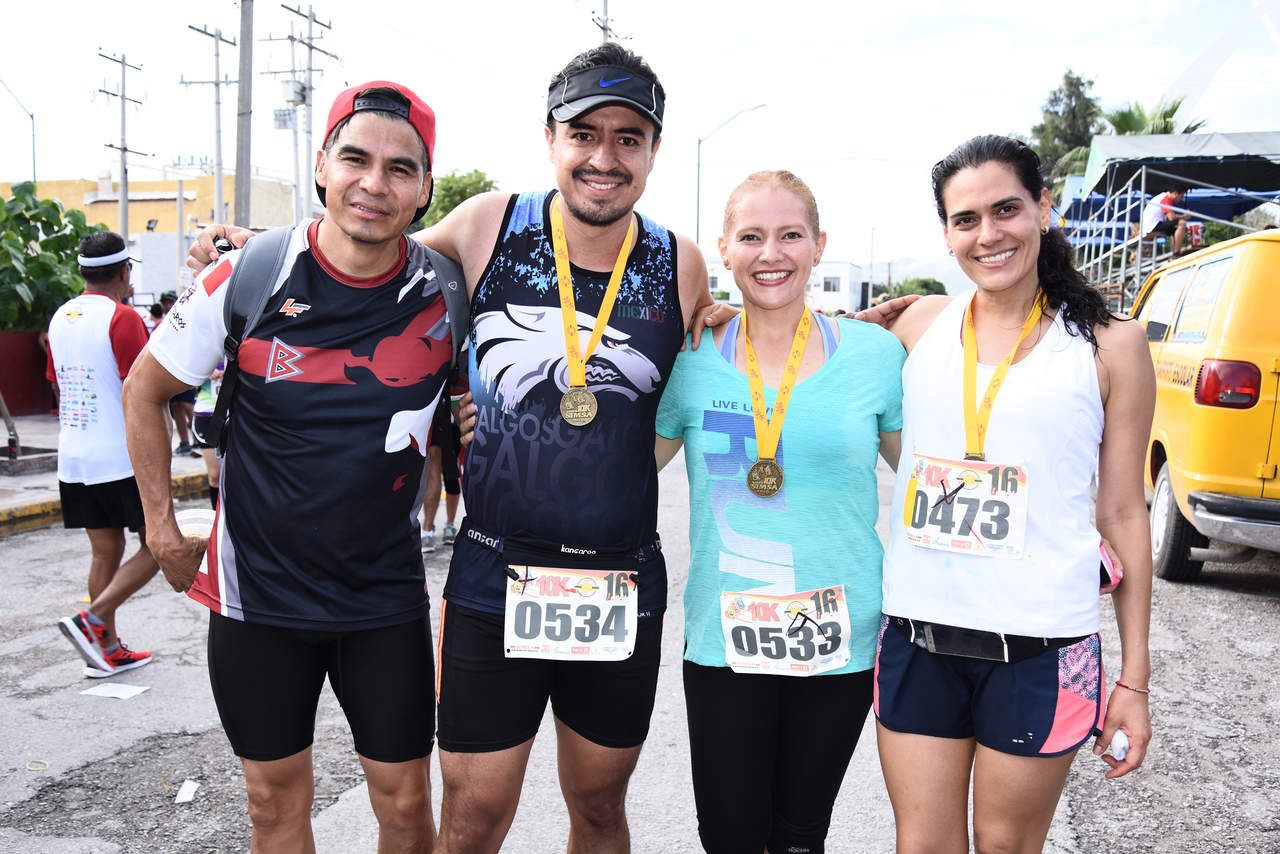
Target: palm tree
(1125, 121)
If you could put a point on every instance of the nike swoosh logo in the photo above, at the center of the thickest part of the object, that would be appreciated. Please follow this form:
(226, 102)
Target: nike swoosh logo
(605, 84)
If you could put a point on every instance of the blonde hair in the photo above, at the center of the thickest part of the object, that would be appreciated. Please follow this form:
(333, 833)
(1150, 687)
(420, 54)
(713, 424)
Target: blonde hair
(778, 179)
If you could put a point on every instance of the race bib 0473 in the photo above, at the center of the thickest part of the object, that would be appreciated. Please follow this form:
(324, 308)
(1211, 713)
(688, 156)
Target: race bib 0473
(570, 614)
(966, 506)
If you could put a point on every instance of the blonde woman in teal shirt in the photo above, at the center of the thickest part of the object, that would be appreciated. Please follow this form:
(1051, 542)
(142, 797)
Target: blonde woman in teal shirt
(781, 431)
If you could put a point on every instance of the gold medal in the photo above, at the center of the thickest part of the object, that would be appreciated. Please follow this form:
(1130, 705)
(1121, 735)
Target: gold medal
(764, 478)
(578, 406)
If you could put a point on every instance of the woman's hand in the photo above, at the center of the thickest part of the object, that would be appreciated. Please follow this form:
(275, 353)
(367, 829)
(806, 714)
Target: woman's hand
(1126, 710)
(886, 312)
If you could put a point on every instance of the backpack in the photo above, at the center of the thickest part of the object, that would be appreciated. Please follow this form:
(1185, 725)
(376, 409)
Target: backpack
(250, 286)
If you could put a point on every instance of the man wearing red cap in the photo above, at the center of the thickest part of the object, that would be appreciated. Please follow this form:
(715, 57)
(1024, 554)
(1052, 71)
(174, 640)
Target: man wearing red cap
(338, 383)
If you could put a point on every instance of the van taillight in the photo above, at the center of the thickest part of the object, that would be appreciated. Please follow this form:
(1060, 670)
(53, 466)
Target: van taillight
(1231, 384)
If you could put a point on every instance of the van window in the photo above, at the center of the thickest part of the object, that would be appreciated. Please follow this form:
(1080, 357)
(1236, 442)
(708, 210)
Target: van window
(1157, 310)
(1197, 306)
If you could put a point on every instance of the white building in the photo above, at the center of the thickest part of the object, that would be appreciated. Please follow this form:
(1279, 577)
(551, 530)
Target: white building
(832, 285)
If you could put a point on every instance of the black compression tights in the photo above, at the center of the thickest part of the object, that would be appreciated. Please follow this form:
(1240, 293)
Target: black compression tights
(769, 753)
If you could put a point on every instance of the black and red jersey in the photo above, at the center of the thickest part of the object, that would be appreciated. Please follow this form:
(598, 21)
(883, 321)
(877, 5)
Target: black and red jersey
(322, 480)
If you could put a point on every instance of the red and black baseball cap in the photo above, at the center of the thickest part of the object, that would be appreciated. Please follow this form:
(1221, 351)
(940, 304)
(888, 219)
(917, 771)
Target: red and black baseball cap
(408, 106)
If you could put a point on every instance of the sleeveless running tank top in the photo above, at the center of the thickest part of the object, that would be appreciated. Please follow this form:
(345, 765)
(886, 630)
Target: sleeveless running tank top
(528, 474)
(1047, 417)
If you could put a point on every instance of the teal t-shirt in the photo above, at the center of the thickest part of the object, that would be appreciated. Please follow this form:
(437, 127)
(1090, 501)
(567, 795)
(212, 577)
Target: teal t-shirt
(819, 530)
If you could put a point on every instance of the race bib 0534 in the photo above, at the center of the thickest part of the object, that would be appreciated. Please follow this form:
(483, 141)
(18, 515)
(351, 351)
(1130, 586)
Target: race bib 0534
(570, 614)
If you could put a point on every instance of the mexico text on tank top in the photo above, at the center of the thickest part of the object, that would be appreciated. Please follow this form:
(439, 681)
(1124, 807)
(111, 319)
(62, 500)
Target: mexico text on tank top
(323, 475)
(529, 474)
(1019, 555)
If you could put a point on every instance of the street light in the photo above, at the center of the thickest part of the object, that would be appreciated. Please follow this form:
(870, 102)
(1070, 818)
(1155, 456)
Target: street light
(31, 116)
(697, 227)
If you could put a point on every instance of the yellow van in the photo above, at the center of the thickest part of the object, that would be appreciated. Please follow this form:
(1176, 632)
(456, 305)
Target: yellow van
(1213, 320)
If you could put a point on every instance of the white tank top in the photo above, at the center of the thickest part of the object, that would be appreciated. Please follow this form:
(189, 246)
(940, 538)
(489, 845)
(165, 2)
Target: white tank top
(91, 438)
(1047, 417)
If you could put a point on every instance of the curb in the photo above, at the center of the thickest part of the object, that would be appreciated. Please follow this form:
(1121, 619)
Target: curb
(44, 514)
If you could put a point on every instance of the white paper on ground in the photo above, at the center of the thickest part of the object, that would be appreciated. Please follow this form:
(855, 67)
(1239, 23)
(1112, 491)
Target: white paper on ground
(186, 792)
(116, 690)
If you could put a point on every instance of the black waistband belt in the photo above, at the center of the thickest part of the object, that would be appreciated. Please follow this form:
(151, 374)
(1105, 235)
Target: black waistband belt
(974, 643)
(553, 552)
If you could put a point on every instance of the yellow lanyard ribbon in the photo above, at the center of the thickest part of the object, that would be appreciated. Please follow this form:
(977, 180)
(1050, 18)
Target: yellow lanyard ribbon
(769, 430)
(976, 419)
(568, 311)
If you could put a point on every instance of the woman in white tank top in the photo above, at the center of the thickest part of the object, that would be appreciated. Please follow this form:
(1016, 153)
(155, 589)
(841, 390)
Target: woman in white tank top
(993, 550)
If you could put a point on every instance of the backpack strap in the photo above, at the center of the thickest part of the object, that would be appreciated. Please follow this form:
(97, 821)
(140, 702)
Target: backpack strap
(248, 289)
(454, 289)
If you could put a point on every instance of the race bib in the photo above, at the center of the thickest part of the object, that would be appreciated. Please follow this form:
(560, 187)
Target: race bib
(570, 614)
(966, 506)
(800, 634)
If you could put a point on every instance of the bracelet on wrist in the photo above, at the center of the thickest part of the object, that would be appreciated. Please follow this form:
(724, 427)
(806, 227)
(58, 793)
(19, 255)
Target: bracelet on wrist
(1120, 684)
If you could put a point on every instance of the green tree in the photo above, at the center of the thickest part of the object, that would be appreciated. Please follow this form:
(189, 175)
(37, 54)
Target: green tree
(452, 190)
(918, 285)
(38, 243)
(1132, 118)
(1070, 119)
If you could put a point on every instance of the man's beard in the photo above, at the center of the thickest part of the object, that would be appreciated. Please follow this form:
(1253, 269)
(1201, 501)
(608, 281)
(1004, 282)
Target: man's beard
(593, 215)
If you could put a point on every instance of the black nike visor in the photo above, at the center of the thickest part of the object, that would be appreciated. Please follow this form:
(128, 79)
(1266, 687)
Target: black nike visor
(602, 86)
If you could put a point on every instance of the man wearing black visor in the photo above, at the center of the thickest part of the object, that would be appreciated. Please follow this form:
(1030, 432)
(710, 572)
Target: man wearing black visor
(557, 584)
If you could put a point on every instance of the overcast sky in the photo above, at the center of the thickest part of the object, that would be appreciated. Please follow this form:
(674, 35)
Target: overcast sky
(860, 97)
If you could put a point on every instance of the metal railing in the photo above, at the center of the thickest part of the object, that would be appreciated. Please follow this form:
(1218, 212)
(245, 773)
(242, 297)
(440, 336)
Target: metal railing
(1111, 252)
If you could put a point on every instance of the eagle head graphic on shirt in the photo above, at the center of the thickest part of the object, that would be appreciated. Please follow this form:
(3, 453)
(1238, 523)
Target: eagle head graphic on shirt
(523, 346)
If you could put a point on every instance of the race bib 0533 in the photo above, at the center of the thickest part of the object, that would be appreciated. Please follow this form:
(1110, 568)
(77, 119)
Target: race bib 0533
(799, 634)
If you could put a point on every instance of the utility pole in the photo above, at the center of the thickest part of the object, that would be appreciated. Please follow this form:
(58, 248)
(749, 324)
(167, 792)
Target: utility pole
(287, 118)
(602, 21)
(124, 149)
(219, 212)
(244, 115)
(310, 44)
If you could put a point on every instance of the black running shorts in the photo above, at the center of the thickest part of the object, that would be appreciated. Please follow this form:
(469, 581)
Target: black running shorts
(490, 702)
(266, 682)
(200, 427)
(115, 504)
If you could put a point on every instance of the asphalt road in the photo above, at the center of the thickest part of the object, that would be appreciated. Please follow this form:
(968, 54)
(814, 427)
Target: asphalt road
(91, 774)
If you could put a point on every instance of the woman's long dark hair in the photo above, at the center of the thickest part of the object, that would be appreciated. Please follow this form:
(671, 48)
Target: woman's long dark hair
(1065, 288)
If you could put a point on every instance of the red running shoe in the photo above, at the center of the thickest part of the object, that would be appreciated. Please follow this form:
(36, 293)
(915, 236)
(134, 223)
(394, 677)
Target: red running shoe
(123, 658)
(87, 639)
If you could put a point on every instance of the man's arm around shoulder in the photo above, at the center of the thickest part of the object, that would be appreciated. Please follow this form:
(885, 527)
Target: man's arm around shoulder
(467, 233)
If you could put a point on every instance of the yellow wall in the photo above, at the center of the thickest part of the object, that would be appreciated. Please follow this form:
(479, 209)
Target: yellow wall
(272, 201)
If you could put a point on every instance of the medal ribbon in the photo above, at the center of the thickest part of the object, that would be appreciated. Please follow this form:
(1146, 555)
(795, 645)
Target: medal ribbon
(769, 430)
(568, 311)
(976, 419)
